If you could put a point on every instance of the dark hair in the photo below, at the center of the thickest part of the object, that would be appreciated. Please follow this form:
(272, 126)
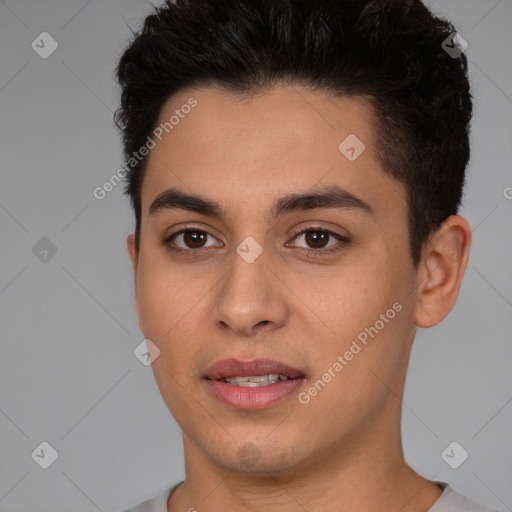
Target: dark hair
(388, 50)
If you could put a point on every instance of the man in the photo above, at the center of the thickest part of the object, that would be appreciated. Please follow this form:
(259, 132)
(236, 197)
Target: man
(296, 169)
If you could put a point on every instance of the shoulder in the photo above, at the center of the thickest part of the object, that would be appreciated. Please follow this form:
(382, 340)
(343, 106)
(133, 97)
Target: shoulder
(155, 504)
(452, 501)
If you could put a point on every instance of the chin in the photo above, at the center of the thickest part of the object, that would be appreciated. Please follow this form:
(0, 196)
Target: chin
(256, 458)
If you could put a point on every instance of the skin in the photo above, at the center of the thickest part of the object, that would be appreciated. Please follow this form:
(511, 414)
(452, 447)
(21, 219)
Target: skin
(342, 450)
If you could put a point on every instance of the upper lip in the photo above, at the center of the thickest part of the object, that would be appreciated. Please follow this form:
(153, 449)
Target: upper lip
(237, 368)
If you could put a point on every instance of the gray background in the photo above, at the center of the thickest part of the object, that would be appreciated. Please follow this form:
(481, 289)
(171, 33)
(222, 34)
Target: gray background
(68, 375)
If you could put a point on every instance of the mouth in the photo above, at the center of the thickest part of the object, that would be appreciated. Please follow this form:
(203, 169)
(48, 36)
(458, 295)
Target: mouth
(252, 385)
(254, 381)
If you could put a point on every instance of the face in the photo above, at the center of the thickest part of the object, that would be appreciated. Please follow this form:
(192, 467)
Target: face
(322, 284)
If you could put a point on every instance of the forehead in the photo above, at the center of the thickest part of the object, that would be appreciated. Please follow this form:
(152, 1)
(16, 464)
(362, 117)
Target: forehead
(247, 147)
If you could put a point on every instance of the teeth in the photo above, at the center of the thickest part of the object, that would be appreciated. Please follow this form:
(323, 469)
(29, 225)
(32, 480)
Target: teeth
(252, 381)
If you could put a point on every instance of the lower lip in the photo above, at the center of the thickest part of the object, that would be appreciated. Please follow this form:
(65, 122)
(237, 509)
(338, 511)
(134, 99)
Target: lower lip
(253, 398)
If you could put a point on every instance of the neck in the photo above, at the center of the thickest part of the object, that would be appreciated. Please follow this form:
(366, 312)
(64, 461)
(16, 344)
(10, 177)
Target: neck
(365, 472)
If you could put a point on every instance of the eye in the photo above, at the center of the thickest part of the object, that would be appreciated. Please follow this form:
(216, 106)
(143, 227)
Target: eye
(318, 239)
(189, 239)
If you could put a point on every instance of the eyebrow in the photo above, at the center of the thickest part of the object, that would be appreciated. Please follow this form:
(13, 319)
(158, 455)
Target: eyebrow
(327, 197)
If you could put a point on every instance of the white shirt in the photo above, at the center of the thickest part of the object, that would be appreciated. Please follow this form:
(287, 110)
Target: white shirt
(449, 501)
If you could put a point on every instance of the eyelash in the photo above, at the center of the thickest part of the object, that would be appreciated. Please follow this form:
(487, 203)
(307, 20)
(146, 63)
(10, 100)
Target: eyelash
(310, 252)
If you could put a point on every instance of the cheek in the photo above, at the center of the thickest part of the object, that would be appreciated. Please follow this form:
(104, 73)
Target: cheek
(170, 309)
(368, 315)
(159, 297)
(347, 299)
(355, 371)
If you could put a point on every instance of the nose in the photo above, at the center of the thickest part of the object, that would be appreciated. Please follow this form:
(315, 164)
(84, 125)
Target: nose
(250, 299)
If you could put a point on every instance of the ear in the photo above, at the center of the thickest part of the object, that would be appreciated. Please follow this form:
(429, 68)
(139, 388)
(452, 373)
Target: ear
(440, 271)
(132, 251)
(134, 256)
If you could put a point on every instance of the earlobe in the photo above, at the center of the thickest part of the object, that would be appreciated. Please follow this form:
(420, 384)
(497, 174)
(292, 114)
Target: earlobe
(442, 266)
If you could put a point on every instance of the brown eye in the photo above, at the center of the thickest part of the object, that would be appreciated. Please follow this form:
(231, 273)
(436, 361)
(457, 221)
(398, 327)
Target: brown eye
(194, 239)
(317, 239)
(189, 240)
